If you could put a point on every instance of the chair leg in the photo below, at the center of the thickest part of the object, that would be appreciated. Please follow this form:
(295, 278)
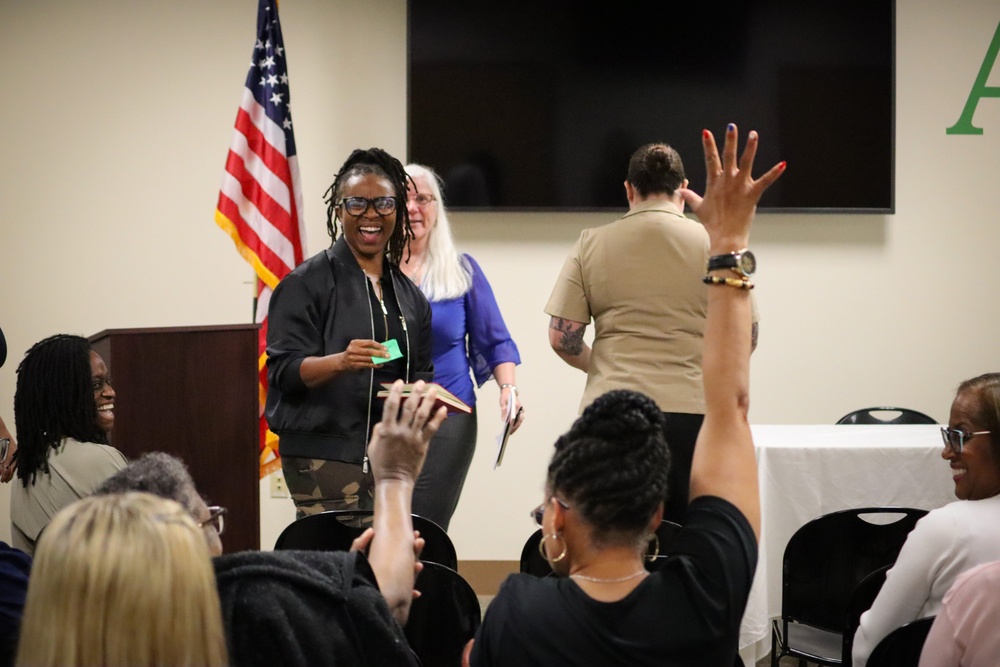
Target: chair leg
(775, 658)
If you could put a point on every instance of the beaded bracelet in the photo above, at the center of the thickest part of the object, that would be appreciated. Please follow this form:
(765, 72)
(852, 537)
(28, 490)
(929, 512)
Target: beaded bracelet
(513, 388)
(741, 283)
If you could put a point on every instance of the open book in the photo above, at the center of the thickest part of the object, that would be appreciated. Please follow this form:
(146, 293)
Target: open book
(444, 397)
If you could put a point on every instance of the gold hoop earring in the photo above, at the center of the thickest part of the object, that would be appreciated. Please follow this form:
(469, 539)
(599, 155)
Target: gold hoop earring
(542, 550)
(655, 539)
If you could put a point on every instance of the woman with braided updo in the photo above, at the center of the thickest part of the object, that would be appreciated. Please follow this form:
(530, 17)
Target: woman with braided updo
(340, 324)
(605, 488)
(63, 411)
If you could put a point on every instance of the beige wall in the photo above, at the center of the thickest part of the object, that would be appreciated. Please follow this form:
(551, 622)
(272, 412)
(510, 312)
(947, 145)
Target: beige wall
(117, 117)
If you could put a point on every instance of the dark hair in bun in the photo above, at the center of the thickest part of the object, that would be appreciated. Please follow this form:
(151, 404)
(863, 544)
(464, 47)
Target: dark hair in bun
(612, 465)
(655, 168)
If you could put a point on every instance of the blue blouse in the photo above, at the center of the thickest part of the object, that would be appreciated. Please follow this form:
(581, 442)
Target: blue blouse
(469, 333)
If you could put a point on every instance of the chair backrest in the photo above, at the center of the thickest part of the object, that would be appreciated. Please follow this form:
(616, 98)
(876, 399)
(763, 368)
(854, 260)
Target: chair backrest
(826, 559)
(444, 618)
(335, 530)
(531, 560)
(533, 563)
(861, 600)
(902, 646)
(886, 415)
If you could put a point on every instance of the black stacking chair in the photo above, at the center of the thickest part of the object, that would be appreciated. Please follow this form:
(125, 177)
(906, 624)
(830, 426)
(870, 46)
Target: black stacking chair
(823, 563)
(861, 600)
(337, 529)
(886, 415)
(902, 646)
(444, 618)
(533, 563)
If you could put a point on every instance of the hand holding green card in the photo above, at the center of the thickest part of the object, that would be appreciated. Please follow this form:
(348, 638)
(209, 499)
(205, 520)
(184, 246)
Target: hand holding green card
(393, 347)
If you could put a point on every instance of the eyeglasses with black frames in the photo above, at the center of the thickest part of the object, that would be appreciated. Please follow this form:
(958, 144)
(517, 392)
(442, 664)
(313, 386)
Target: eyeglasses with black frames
(539, 511)
(215, 518)
(421, 199)
(358, 206)
(955, 438)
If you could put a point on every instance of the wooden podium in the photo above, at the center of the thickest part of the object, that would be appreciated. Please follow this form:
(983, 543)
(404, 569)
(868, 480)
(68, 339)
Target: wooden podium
(192, 392)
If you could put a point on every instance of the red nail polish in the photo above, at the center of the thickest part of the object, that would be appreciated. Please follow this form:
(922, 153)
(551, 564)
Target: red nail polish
(704, 134)
(783, 164)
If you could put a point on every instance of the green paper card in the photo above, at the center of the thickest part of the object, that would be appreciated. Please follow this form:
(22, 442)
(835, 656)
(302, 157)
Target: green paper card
(394, 352)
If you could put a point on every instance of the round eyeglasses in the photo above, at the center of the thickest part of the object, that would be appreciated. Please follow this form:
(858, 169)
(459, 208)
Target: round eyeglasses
(421, 199)
(539, 511)
(358, 206)
(215, 518)
(954, 438)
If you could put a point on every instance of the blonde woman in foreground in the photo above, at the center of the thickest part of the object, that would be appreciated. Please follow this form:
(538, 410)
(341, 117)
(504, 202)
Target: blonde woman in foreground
(122, 580)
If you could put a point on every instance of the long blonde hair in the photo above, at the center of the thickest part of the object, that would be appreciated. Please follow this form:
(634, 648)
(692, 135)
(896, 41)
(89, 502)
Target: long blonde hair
(122, 580)
(446, 274)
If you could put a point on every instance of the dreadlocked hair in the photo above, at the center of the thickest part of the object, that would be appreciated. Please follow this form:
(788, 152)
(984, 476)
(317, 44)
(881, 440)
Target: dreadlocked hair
(373, 161)
(54, 399)
(612, 466)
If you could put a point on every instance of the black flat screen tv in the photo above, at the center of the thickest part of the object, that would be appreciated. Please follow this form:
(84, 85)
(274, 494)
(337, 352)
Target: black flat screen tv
(538, 104)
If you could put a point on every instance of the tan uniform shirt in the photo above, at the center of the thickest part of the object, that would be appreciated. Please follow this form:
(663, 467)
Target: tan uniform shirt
(639, 279)
(75, 470)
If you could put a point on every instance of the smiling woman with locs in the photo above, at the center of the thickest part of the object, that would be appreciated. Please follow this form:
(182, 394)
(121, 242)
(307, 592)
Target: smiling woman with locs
(341, 324)
(63, 411)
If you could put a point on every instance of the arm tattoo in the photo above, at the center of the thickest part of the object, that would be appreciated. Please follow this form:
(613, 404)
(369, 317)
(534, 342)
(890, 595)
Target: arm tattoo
(571, 342)
(754, 330)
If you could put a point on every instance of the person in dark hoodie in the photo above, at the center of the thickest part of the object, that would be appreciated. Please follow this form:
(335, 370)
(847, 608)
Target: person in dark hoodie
(310, 607)
(15, 565)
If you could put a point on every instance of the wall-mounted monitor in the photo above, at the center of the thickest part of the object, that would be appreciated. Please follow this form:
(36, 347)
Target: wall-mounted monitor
(538, 104)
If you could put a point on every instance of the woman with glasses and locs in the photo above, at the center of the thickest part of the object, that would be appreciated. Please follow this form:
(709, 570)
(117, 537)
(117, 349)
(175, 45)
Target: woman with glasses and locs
(469, 334)
(340, 325)
(956, 537)
(64, 408)
(606, 484)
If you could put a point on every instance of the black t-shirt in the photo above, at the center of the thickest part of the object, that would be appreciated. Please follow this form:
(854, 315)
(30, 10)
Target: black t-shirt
(388, 324)
(686, 614)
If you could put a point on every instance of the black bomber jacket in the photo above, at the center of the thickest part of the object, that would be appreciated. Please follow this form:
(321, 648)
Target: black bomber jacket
(317, 310)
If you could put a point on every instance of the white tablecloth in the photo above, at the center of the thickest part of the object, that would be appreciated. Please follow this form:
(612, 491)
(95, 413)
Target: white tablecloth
(806, 471)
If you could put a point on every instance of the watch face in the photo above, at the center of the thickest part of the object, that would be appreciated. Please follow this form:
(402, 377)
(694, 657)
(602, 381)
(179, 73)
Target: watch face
(748, 263)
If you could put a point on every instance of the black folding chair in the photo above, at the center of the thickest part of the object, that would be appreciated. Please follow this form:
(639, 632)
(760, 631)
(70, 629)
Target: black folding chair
(886, 415)
(902, 646)
(444, 618)
(335, 530)
(861, 600)
(823, 563)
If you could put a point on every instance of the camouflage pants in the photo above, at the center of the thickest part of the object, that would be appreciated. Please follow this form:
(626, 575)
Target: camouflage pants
(319, 485)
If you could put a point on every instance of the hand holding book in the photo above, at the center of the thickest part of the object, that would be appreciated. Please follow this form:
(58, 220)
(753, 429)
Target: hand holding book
(444, 397)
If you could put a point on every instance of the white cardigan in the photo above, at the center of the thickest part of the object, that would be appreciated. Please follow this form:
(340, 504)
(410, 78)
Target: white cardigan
(944, 544)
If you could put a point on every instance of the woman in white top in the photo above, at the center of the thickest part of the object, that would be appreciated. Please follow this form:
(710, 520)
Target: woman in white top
(951, 539)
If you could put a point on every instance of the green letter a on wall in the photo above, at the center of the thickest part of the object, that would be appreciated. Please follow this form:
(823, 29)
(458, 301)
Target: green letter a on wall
(979, 90)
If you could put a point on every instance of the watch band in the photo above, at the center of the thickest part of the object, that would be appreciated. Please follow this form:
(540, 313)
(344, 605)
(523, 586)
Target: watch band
(739, 261)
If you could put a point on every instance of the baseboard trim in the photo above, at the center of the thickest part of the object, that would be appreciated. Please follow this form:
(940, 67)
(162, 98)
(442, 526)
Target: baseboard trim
(485, 576)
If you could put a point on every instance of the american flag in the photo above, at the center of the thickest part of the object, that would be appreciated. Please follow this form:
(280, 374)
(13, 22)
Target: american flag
(260, 201)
